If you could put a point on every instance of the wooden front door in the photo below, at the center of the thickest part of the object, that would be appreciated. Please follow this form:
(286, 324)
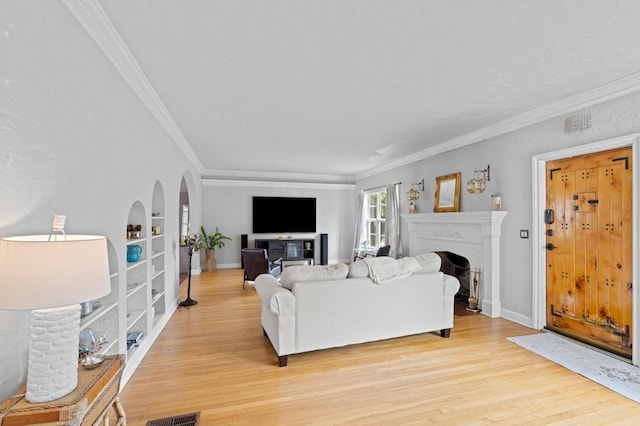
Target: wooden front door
(589, 249)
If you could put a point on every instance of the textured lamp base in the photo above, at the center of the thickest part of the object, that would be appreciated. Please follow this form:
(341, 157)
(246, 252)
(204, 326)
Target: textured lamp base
(53, 353)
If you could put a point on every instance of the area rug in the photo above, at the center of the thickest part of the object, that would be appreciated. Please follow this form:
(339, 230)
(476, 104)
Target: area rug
(191, 419)
(606, 370)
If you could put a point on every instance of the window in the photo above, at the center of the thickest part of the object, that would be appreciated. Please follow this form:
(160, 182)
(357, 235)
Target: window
(376, 213)
(184, 223)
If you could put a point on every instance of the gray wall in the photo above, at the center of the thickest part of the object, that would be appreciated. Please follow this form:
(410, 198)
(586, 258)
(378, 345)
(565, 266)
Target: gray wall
(227, 205)
(510, 156)
(74, 140)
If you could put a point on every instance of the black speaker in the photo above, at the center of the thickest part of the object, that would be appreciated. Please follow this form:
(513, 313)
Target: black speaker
(324, 249)
(244, 243)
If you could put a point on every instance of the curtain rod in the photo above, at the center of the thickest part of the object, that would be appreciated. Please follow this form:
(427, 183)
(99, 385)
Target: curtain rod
(376, 187)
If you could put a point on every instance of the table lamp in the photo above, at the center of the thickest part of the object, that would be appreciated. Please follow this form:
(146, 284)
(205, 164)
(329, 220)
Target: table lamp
(51, 275)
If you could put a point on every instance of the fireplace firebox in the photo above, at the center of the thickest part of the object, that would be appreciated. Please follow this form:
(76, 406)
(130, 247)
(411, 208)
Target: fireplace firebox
(457, 266)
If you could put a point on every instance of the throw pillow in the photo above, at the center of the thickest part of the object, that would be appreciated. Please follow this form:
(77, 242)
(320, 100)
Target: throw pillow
(430, 262)
(358, 269)
(301, 273)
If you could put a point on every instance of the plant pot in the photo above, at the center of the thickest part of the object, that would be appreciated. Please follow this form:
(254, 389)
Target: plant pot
(210, 260)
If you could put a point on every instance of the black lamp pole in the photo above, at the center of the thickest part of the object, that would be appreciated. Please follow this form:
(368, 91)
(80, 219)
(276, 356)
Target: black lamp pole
(189, 301)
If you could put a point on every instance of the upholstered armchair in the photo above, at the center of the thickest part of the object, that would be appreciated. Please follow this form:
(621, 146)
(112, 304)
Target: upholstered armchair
(256, 262)
(382, 251)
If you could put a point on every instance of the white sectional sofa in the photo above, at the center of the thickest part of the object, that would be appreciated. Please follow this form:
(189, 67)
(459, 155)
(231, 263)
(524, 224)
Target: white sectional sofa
(319, 307)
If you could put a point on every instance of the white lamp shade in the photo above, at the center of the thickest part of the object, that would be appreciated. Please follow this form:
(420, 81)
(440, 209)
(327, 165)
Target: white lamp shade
(36, 273)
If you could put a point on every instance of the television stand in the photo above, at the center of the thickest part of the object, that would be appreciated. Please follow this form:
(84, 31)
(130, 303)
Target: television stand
(288, 250)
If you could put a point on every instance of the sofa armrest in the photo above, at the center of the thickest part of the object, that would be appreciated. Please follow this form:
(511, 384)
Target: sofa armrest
(451, 285)
(281, 301)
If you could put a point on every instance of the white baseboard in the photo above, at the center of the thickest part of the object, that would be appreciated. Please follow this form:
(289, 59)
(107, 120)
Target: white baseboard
(516, 317)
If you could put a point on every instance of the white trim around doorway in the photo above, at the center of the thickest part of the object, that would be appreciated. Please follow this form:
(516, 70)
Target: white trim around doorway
(538, 164)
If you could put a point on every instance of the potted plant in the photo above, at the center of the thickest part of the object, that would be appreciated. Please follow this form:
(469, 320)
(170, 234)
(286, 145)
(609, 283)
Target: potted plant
(209, 243)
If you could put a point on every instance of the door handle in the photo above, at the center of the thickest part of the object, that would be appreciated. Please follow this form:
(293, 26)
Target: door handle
(549, 246)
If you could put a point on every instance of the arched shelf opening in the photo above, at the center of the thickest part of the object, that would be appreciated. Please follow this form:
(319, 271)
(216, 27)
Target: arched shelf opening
(158, 265)
(136, 277)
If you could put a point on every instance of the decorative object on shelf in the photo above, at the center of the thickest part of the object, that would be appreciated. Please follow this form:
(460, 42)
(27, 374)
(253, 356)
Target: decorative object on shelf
(86, 308)
(496, 202)
(92, 361)
(86, 342)
(155, 230)
(133, 232)
(209, 243)
(72, 269)
(479, 183)
(134, 252)
(414, 195)
(447, 197)
(191, 243)
(134, 338)
(473, 293)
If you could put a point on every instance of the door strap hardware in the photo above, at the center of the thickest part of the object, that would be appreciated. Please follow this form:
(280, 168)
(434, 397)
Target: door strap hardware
(549, 246)
(551, 172)
(593, 201)
(575, 208)
(624, 334)
(626, 161)
(575, 196)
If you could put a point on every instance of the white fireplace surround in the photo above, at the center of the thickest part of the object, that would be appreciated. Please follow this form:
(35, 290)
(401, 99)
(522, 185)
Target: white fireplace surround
(474, 235)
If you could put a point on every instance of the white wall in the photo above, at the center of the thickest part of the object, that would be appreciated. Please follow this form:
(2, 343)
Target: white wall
(227, 205)
(511, 175)
(74, 139)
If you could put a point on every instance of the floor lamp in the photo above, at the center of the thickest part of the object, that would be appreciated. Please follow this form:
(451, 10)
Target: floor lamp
(192, 243)
(51, 275)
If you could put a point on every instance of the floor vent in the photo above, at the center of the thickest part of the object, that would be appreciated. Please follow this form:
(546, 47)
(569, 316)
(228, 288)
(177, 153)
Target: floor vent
(192, 419)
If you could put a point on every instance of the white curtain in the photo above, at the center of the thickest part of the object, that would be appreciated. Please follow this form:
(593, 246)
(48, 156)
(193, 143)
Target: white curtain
(360, 222)
(393, 220)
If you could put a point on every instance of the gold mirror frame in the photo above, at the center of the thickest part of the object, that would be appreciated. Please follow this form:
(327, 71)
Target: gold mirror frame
(447, 193)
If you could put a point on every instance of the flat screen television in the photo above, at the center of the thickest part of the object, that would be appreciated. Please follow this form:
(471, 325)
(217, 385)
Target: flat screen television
(283, 214)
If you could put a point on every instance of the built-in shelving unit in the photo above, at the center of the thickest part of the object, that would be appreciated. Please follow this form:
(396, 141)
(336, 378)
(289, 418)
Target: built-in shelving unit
(158, 275)
(138, 305)
(104, 319)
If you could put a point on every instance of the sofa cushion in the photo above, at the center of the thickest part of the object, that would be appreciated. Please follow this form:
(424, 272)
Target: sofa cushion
(301, 273)
(358, 269)
(430, 262)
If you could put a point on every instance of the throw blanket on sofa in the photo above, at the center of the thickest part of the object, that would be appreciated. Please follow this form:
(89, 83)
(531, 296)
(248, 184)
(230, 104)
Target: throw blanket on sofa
(383, 268)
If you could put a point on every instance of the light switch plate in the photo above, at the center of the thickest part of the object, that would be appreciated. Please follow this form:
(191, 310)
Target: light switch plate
(524, 233)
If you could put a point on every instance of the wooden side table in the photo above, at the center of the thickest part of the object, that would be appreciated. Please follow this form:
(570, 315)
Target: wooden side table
(97, 391)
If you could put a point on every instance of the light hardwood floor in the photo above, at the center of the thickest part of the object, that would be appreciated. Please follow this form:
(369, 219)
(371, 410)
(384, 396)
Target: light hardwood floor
(213, 358)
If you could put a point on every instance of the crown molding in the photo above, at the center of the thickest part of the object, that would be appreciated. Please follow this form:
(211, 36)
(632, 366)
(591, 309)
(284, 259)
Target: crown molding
(585, 99)
(92, 17)
(272, 184)
(276, 176)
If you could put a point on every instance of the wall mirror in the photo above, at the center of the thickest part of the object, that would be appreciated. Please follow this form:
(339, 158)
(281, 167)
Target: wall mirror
(447, 193)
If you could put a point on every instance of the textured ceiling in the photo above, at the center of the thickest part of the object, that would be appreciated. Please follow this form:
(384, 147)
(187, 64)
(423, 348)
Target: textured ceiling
(338, 88)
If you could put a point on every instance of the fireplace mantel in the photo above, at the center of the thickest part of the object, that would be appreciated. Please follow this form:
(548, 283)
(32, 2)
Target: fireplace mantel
(474, 235)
